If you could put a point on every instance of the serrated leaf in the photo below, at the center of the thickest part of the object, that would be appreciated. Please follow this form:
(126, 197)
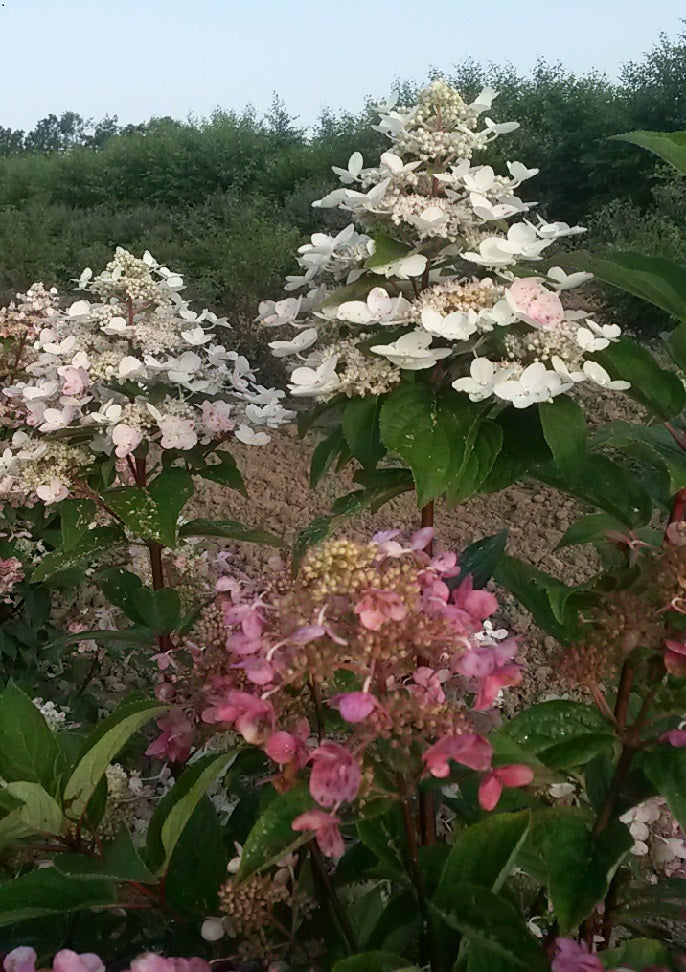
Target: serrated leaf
(546, 728)
(495, 925)
(605, 484)
(482, 449)
(659, 389)
(483, 854)
(161, 609)
(564, 429)
(553, 605)
(137, 510)
(272, 836)
(45, 892)
(29, 752)
(91, 543)
(361, 430)
(197, 867)
(176, 808)
(76, 516)
(225, 472)
(120, 861)
(660, 281)
(170, 492)
(665, 767)
(590, 529)
(229, 530)
(323, 455)
(374, 962)
(40, 811)
(670, 146)
(637, 954)
(101, 747)
(480, 559)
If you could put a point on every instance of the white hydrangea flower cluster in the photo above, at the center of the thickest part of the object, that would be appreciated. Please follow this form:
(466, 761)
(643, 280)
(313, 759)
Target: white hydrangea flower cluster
(400, 289)
(133, 364)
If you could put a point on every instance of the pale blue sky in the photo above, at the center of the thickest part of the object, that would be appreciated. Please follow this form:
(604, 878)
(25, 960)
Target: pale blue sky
(137, 58)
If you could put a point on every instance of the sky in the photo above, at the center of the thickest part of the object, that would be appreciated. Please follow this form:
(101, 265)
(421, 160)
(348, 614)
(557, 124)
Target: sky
(139, 58)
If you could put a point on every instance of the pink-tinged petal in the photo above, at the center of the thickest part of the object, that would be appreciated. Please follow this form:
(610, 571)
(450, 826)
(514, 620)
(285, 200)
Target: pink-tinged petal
(335, 775)
(355, 706)
(21, 959)
(490, 789)
(675, 663)
(283, 747)
(470, 750)
(515, 774)
(479, 604)
(257, 670)
(675, 737)
(445, 563)
(492, 684)
(152, 963)
(573, 956)
(375, 608)
(302, 636)
(677, 646)
(477, 662)
(67, 961)
(325, 828)
(421, 539)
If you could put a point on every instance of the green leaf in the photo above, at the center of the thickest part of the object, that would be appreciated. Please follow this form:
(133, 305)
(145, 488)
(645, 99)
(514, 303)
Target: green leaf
(45, 892)
(118, 586)
(483, 854)
(386, 250)
(312, 534)
(659, 281)
(552, 604)
(579, 866)
(385, 836)
(651, 444)
(374, 962)
(161, 609)
(676, 345)
(430, 434)
(323, 455)
(361, 430)
(76, 516)
(29, 752)
(170, 491)
(590, 528)
(474, 466)
(564, 428)
(480, 558)
(225, 472)
(660, 389)
(176, 808)
(101, 747)
(91, 543)
(229, 530)
(523, 447)
(198, 865)
(637, 954)
(357, 290)
(605, 484)
(670, 146)
(120, 862)
(272, 836)
(495, 925)
(137, 509)
(665, 767)
(40, 812)
(548, 728)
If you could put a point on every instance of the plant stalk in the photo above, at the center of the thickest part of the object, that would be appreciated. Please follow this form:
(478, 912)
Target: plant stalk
(328, 893)
(420, 887)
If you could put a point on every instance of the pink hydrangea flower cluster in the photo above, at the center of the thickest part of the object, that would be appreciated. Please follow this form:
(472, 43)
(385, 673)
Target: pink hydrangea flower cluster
(134, 363)
(371, 648)
(23, 959)
(11, 573)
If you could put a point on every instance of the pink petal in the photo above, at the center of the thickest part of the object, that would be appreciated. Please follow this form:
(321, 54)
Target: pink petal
(490, 789)
(515, 774)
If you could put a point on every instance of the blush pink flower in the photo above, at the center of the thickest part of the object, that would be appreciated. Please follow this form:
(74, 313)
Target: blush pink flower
(335, 775)
(216, 417)
(67, 961)
(176, 738)
(324, 826)
(253, 717)
(430, 684)
(516, 774)
(354, 706)
(21, 959)
(478, 604)
(492, 666)
(177, 433)
(470, 750)
(285, 748)
(675, 658)
(75, 380)
(571, 956)
(375, 608)
(534, 304)
(125, 438)
(675, 737)
(157, 963)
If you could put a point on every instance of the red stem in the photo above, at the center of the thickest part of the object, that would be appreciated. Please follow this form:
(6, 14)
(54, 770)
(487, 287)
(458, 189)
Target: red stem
(427, 802)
